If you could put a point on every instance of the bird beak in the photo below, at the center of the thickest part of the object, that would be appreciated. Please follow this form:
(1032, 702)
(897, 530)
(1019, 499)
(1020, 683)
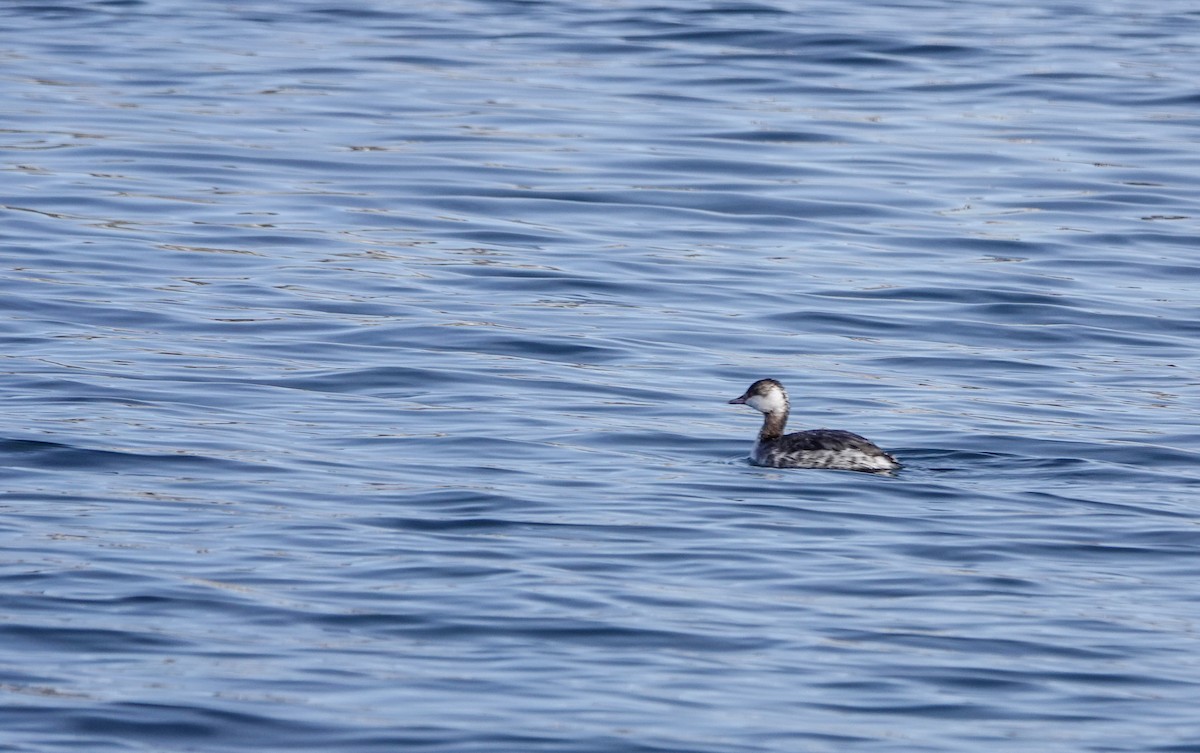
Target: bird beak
(738, 400)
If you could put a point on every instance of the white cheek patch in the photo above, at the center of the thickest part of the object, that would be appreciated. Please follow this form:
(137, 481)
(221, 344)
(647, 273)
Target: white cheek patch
(768, 403)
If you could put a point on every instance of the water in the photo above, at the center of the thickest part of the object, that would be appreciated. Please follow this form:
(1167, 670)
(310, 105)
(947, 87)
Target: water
(365, 368)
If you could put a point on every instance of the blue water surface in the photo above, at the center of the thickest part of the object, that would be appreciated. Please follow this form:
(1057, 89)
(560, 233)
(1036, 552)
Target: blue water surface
(365, 369)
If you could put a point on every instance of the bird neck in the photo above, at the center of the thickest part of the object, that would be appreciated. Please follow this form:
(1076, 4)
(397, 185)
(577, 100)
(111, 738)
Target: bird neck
(773, 424)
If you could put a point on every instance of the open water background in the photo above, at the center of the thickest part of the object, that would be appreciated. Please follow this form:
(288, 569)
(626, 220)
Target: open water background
(364, 368)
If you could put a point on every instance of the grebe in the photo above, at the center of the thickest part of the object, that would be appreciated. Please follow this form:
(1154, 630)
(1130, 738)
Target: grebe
(818, 448)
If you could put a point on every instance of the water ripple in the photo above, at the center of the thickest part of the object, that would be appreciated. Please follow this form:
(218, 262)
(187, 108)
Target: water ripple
(366, 372)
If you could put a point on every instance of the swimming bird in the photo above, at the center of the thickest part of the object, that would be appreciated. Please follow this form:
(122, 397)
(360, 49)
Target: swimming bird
(816, 448)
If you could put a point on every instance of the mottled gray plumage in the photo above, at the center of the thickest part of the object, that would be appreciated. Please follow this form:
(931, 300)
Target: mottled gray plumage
(816, 448)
